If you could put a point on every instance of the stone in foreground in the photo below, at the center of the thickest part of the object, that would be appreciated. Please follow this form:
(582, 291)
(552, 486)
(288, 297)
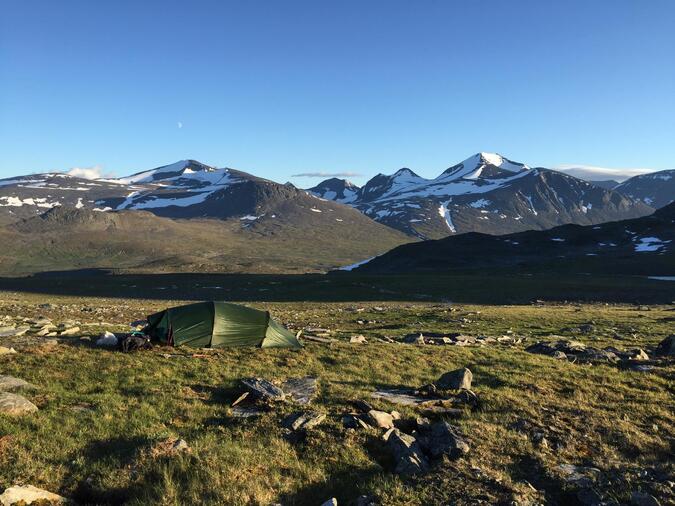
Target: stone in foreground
(303, 420)
(455, 380)
(380, 419)
(13, 404)
(29, 494)
(667, 346)
(407, 453)
(441, 438)
(263, 389)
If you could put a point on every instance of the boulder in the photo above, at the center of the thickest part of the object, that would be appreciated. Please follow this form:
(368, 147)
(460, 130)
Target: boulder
(359, 339)
(6, 351)
(330, 502)
(407, 453)
(414, 339)
(29, 494)
(13, 404)
(459, 378)
(12, 384)
(579, 475)
(71, 331)
(441, 438)
(263, 389)
(667, 346)
(380, 419)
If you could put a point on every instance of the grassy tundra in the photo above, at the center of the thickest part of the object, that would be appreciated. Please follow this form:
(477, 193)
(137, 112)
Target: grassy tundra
(103, 415)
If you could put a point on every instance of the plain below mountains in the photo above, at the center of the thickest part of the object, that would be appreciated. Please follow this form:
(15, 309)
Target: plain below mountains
(640, 246)
(485, 193)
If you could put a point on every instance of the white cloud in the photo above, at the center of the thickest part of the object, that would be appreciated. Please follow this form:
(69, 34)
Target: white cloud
(94, 172)
(180, 124)
(593, 173)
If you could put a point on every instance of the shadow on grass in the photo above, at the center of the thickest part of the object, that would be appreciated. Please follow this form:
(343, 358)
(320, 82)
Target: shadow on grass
(484, 287)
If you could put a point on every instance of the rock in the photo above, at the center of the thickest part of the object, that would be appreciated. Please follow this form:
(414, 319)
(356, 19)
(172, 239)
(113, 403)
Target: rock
(359, 339)
(441, 438)
(70, 331)
(301, 390)
(354, 421)
(579, 475)
(639, 355)
(361, 405)
(643, 499)
(559, 355)
(414, 339)
(13, 331)
(29, 494)
(667, 346)
(13, 404)
(407, 453)
(586, 328)
(263, 389)
(330, 502)
(380, 419)
(107, 340)
(247, 411)
(170, 447)
(180, 445)
(303, 420)
(402, 397)
(460, 378)
(6, 351)
(12, 384)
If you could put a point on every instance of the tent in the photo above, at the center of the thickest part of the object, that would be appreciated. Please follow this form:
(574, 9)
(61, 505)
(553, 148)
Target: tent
(218, 324)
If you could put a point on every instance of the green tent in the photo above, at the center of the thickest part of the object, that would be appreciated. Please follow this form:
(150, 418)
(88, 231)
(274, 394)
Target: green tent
(218, 324)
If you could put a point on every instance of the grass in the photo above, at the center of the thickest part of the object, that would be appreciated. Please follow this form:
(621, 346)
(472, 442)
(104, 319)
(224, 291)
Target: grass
(102, 413)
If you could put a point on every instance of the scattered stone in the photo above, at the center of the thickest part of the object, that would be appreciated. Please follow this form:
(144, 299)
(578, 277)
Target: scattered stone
(303, 420)
(414, 339)
(6, 351)
(407, 453)
(28, 494)
(13, 331)
(71, 331)
(107, 340)
(359, 339)
(398, 396)
(13, 404)
(643, 499)
(12, 384)
(362, 405)
(263, 389)
(441, 438)
(170, 447)
(586, 328)
(460, 378)
(301, 390)
(331, 502)
(247, 411)
(380, 419)
(667, 346)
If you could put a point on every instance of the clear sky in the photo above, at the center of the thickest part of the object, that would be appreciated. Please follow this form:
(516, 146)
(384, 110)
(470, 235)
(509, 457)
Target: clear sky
(278, 88)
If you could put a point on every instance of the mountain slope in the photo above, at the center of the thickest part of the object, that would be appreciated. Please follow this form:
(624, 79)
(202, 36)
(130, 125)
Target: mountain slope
(643, 245)
(491, 194)
(656, 189)
(63, 239)
(607, 184)
(339, 190)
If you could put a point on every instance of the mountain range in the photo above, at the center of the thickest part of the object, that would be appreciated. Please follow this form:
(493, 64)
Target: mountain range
(191, 216)
(485, 193)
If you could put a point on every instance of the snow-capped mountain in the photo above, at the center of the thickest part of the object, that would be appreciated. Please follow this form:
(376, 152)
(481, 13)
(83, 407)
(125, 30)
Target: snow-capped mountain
(492, 194)
(656, 189)
(339, 190)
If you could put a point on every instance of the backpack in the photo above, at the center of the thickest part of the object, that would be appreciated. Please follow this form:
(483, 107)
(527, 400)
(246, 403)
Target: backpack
(134, 342)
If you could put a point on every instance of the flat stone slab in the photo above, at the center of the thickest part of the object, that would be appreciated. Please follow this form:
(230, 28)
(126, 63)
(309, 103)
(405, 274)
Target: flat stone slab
(13, 404)
(29, 494)
(399, 396)
(301, 390)
(14, 332)
(247, 411)
(263, 389)
(303, 420)
(12, 384)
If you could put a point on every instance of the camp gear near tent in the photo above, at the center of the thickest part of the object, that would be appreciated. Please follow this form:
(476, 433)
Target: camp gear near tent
(218, 324)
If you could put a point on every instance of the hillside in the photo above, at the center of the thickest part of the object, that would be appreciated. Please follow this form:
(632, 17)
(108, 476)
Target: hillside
(485, 193)
(656, 189)
(639, 246)
(292, 239)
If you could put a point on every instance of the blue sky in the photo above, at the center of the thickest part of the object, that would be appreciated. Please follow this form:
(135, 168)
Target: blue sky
(281, 88)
